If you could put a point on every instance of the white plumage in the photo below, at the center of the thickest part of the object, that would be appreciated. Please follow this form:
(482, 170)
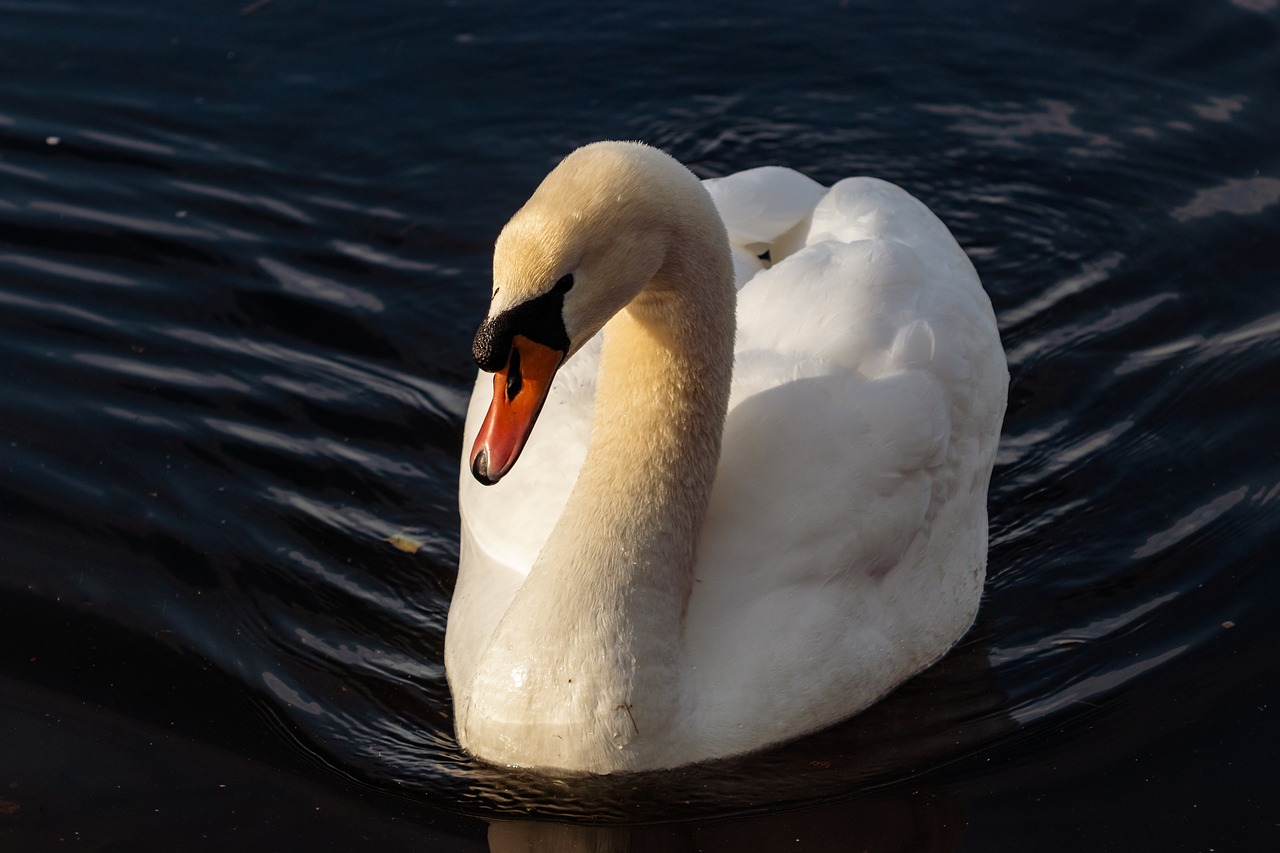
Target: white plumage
(844, 543)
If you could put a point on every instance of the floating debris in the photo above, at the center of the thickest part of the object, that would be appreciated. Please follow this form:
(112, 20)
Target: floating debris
(405, 543)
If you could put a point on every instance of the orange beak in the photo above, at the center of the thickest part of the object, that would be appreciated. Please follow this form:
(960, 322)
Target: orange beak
(519, 390)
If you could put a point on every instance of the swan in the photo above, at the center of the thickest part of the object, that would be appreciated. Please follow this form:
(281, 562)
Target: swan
(729, 529)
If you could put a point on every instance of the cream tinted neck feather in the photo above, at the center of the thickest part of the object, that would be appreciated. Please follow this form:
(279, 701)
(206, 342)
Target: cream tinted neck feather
(618, 565)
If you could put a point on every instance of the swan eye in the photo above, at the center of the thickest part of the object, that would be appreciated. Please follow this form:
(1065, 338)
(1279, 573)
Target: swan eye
(563, 285)
(514, 380)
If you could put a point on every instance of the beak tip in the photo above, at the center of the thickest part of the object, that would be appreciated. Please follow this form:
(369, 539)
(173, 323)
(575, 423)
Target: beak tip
(480, 468)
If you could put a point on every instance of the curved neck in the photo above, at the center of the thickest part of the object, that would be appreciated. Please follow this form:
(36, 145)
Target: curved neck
(588, 657)
(632, 521)
(661, 397)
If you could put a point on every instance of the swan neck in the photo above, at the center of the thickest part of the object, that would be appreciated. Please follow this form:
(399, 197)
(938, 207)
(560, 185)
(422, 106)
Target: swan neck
(661, 397)
(589, 657)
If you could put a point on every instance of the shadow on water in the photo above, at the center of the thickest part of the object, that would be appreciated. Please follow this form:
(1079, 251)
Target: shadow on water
(922, 822)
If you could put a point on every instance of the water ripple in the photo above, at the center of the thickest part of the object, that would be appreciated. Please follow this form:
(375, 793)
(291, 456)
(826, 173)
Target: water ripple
(242, 269)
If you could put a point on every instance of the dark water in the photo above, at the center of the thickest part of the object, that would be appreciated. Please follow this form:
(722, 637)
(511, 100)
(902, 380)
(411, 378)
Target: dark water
(243, 247)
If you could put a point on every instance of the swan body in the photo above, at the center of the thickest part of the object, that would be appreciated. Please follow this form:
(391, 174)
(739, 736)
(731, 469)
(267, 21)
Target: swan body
(730, 528)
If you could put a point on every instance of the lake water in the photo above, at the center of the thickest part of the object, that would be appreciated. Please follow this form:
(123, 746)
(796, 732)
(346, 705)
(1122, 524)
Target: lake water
(243, 249)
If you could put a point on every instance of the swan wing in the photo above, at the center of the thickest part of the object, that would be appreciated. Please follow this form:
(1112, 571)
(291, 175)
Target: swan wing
(763, 210)
(868, 394)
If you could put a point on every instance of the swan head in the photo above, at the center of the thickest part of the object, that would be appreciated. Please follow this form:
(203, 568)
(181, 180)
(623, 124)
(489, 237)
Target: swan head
(593, 235)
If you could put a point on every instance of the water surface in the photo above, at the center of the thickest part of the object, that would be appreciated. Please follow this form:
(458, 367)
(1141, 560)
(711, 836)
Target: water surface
(243, 248)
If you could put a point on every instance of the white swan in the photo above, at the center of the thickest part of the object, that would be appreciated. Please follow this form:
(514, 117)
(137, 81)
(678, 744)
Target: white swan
(641, 593)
